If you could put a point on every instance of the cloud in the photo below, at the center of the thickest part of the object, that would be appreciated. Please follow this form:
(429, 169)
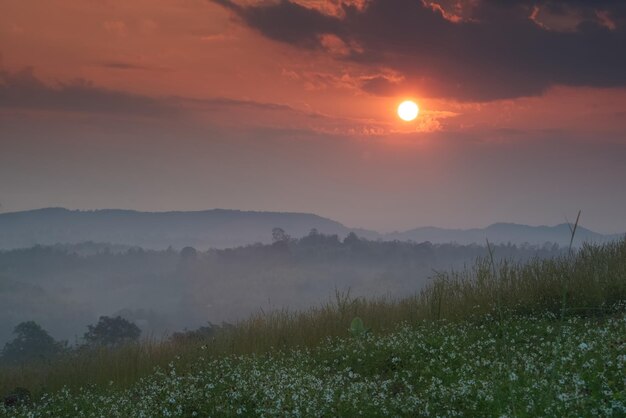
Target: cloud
(23, 90)
(219, 103)
(276, 21)
(614, 9)
(116, 27)
(494, 50)
(123, 65)
(381, 85)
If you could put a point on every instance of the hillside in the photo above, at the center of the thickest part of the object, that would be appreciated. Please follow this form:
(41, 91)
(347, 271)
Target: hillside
(417, 370)
(543, 338)
(216, 228)
(504, 233)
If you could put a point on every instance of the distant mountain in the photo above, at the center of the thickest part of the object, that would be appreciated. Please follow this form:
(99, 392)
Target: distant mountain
(504, 233)
(217, 228)
(223, 228)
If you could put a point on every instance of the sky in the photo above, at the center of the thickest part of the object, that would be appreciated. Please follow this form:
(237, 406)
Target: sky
(291, 106)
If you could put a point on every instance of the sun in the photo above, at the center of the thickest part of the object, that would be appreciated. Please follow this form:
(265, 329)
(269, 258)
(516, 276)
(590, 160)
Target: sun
(408, 110)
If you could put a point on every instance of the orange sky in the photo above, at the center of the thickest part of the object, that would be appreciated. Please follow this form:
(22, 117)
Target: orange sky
(221, 74)
(196, 49)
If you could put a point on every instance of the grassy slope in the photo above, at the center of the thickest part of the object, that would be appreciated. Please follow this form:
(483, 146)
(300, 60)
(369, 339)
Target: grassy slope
(586, 284)
(521, 366)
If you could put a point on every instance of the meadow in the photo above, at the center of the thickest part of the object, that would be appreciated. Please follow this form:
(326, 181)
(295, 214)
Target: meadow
(541, 338)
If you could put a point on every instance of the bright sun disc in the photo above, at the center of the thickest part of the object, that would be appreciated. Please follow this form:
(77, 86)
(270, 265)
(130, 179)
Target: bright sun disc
(408, 110)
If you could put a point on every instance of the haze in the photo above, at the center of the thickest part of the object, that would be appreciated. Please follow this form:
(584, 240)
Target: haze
(151, 150)
(192, 105)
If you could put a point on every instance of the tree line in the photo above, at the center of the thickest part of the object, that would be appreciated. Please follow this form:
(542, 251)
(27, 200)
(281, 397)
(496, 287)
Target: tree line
(66, 288)
(33, 343)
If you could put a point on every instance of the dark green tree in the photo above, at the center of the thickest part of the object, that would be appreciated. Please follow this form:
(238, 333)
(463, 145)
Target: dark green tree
(111, 332)
(31, 343)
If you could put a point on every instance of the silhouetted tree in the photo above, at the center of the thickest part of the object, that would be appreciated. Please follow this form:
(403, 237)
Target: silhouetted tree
(188, 253)
(111, 332)
(31, 343)
(279, 235)
(188, 258)
(280, 241)
(351, 239)
(201, 334)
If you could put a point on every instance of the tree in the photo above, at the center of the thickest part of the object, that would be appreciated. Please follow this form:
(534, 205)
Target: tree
(111, 332)
(188, 257)
(204, 333)
(32, 342)
(188, 253)
(351, 239)
(279, 235)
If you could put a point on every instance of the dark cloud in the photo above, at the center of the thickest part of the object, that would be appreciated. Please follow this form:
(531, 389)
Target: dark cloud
(310, 22)
(615, 9)
(122, 65)
(218, 103)
(381, 86)
(24, 90)
(498, 52)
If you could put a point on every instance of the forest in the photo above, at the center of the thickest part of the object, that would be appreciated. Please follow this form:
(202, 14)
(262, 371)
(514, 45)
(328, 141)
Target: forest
(64, 288)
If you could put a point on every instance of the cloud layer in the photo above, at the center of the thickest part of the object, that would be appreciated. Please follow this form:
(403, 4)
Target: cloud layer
(492, 50)
(23, 90)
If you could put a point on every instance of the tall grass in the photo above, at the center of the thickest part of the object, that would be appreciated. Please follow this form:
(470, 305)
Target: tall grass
(590, 281)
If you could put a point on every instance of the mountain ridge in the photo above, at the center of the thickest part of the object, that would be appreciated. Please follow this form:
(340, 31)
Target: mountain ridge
(224, 228)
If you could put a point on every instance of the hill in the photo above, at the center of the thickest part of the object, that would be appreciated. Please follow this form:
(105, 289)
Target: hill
(543, 338)
(216, 228)
(504, 233)
(226, 228)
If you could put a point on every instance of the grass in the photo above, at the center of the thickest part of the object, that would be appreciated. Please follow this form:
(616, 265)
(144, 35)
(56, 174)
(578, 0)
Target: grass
(428, 368)
(587, 287)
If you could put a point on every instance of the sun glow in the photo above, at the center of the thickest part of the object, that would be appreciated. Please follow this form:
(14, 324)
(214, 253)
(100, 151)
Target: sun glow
(408, 110)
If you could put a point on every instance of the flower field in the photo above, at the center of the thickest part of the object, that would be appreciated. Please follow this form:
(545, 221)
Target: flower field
(485, 366)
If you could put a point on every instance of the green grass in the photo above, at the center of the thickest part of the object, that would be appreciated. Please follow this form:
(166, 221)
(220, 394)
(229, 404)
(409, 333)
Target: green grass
(569, 294)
